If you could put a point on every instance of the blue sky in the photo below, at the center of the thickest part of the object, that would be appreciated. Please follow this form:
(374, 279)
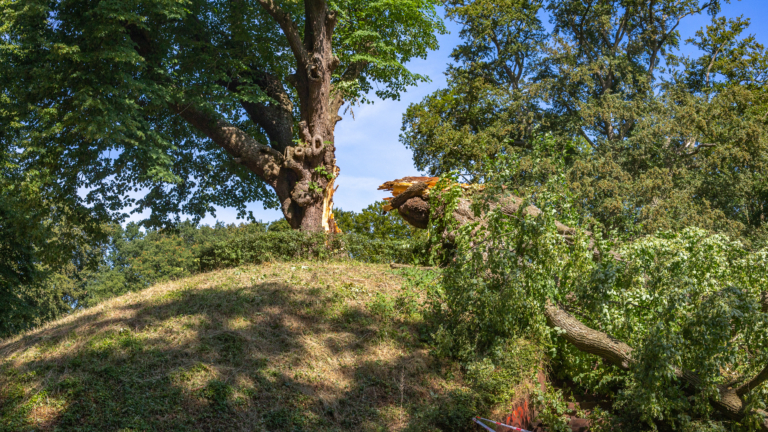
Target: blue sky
(367, 147)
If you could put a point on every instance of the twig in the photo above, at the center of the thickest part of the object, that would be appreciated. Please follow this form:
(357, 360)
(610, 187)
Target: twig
(401, 266)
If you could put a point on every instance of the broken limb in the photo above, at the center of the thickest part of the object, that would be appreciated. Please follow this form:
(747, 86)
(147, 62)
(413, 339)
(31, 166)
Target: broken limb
(730, 398)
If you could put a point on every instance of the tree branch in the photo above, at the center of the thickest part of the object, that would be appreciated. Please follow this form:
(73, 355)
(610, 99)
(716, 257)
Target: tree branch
(588, 340)
(261, 159)
(654, 55)
(584, 134)
(753, 383)
(275, 118)
(352, 72)
(595, 342)
(290, 30)
(712, 63)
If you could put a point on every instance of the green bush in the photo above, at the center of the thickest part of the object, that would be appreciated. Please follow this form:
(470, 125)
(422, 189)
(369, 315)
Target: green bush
(373, 250)
(261, 247)
(454, 412)
(372, 222)
(493, 376)
(136, 259)
(297, 245)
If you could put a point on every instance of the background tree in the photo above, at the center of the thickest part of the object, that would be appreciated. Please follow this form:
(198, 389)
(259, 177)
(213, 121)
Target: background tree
(373, 223)
(487, 106)
(651, 140)
(43, 251)
(199, 103)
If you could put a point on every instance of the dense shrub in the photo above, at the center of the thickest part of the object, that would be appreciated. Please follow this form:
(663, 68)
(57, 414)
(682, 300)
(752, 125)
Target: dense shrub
(373, 250)
(268, 246)
(373, 223)
(136, 259)
(297, 245)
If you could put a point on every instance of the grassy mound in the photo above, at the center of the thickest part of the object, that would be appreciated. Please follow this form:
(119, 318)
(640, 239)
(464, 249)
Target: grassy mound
(277, 347)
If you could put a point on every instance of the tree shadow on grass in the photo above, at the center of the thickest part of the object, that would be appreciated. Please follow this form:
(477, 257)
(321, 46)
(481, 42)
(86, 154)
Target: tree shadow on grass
(253, 357)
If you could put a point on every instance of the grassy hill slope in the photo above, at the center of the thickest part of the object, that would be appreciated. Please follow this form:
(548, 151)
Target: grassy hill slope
(277, 347)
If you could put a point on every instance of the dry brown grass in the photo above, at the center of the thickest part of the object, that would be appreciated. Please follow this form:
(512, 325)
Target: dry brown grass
(281, 346)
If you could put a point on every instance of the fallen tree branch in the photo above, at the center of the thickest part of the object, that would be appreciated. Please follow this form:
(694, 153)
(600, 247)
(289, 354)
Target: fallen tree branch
(588, 340)
(584, 338)
(595, 342)
(261, 159)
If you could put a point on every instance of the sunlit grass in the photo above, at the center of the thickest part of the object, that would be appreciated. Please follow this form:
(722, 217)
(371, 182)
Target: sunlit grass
(280, 346)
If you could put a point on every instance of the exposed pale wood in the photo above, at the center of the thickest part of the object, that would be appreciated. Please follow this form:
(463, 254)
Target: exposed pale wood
(329, 224)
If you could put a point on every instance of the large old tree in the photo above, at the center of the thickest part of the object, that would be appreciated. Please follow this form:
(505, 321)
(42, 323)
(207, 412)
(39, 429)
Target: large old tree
(178, 106)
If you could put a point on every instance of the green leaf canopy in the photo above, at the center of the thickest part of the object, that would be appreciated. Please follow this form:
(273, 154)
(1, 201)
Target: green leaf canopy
(91, 87)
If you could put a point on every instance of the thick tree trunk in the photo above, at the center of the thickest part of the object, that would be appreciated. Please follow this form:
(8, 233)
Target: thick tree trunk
(305, 183)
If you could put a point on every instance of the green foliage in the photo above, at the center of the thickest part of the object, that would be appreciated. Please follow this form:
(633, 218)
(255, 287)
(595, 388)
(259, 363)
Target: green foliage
(36, 285)
(454, 412)
(382, 306)
(17, 266)
(136, 259)
(295, 245)
(217, 393)
(279, 226)
(686, 300)
(649, 139)
(260, 247)
(498, 379)
(689, 300)
(372, 222)
(552, 409)
(365, 249)
(108, 77)
(485, 109)
(315, 188)
(41, 246)
(502, 293)
(324, 172)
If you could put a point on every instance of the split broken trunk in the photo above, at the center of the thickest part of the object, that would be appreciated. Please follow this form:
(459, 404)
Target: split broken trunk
(411, 198)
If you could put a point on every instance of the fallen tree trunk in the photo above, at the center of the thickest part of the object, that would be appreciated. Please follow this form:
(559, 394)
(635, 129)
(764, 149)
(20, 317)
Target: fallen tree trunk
(413, 204)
